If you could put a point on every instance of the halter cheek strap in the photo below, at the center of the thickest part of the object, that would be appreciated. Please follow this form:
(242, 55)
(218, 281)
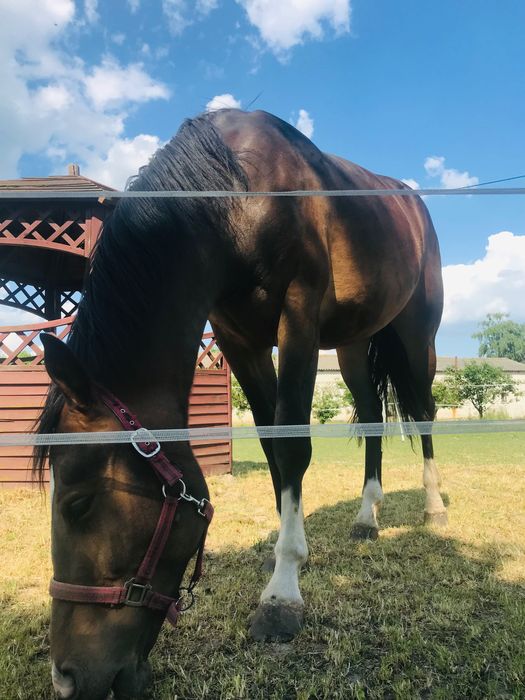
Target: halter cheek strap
(138, 592)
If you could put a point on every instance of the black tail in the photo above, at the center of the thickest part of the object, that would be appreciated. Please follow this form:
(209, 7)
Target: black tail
(390, 369)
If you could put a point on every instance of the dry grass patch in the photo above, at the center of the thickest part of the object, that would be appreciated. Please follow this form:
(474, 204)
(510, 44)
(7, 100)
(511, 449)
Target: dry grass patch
(419, 614)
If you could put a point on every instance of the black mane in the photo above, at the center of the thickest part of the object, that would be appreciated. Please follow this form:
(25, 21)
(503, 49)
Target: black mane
(126, 277)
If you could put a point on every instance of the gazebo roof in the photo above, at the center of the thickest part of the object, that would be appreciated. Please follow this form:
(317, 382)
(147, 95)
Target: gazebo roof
(72, 183)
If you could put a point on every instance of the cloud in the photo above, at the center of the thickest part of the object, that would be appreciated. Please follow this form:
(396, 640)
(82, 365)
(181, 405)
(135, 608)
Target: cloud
(494, 283)
(54, 104)
(133, 5)
(413, 184)
(123, 160)
(175, 13)
(17, 317)
(305, 123)
(111, 85)
(119, 38)
(90, 11)
(204, 7)
(449, 177)
(226, 101)
(283, 24)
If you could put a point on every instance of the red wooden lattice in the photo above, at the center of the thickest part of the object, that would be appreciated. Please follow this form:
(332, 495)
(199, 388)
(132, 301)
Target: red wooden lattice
(19, 344)
(209, 356)
(45, 228)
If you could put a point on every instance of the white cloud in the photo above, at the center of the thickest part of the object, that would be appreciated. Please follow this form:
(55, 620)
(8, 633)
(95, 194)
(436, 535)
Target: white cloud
(182, 13)
(414, 184)
(90, 10)
(123, 159)
(134, 5)
(449, 177)
(305, 123)
(111, 85)
(494, 283)
(16, 317)
(119, 38)
(226, 101)
(204, 7)
(52, 102)
(175, 12)
(283, 24)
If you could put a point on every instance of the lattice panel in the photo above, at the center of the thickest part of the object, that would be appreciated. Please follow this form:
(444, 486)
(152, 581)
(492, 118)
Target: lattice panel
(209, 356)
(69, 302)
(22, 347)
(22, 296)
(52, 228)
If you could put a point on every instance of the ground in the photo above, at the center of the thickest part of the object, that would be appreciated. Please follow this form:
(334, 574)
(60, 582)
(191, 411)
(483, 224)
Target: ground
(421, 613)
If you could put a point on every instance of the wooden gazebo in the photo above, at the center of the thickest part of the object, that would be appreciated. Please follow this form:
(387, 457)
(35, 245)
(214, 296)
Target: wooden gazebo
(44, 250)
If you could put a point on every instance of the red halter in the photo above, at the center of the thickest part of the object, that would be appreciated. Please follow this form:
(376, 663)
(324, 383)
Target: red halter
(137, 592)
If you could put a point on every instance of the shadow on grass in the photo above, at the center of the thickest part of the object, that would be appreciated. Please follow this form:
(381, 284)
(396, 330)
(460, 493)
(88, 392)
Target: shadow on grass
(416, 614)
(242, 468)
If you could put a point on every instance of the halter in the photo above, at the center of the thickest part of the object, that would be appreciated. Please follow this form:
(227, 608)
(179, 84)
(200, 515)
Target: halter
(138, 592)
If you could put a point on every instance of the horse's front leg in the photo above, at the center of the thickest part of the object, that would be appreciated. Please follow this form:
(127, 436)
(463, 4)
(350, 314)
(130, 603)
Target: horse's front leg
(280, 612)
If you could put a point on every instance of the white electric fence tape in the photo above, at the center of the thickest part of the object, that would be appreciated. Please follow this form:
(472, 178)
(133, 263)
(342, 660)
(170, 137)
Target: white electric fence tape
(221, 194)
(335, 430)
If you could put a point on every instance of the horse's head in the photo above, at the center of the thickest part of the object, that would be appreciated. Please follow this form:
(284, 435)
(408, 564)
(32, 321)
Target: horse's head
(106, 503)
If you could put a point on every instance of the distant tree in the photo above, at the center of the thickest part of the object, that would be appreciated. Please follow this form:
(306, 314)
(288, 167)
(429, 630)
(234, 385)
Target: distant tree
(446, 394)
(346, 394)
(500, 337)
(239, 400)
(481, 384)
(326, 404)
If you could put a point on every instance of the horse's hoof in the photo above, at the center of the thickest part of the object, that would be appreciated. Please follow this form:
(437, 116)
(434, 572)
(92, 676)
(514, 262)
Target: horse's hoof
(439, 519)
(276, 622)
(363, 532)
(268, 564)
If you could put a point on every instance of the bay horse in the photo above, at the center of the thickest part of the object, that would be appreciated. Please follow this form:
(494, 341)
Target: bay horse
(358, 274)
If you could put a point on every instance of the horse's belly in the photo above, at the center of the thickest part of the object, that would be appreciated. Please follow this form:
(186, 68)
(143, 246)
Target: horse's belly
(350, 315)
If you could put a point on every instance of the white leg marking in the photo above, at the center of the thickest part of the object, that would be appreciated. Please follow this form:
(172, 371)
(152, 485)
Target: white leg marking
(432, 482)
(64, 685)
(51, 482)
(372, 499)
(291, 551)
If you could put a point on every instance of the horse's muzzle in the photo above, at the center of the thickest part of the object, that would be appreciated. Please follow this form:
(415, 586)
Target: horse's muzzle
(127, 683)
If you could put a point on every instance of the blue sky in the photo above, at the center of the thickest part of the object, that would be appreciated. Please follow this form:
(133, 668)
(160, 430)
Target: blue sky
(433, 93)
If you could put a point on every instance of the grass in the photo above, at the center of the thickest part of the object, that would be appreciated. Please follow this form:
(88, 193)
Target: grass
(421, 613)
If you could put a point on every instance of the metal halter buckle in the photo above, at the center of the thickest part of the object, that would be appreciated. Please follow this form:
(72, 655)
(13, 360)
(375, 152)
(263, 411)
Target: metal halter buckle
(145, 436)
(131, 589)
(185, 496)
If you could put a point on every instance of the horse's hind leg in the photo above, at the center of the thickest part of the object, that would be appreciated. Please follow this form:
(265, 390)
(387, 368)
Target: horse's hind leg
(421, 357)
(353, 361)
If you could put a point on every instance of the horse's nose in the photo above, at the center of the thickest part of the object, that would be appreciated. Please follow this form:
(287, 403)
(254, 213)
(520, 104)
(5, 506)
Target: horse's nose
(63, 682)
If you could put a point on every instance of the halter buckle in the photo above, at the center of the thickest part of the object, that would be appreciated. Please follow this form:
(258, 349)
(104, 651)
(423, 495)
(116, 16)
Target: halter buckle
(135, 593)
(144, 436)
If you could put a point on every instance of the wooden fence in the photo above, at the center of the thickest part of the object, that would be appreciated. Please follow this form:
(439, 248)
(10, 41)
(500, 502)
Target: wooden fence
(24, 383)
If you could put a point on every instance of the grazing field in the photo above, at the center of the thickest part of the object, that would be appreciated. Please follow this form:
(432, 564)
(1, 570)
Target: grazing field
(421, 613)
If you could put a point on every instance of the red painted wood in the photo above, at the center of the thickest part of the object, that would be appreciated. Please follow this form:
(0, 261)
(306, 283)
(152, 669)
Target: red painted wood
(23, 390)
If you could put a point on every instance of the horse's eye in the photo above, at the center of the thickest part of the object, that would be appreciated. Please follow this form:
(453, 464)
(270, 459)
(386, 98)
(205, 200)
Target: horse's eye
(78, 507)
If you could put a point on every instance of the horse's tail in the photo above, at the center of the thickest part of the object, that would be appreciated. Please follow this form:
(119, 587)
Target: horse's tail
(390, 369)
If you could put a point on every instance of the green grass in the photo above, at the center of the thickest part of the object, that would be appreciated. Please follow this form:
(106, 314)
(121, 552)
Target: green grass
(420, 613)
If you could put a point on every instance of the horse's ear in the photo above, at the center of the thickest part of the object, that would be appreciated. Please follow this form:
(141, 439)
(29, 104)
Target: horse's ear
(67, 372)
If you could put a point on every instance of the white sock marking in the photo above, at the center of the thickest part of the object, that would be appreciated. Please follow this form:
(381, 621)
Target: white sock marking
(291, 551)
(372, 499)
(432, 482)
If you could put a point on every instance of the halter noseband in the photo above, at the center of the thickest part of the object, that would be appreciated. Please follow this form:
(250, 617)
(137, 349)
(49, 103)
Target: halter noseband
(138, 592)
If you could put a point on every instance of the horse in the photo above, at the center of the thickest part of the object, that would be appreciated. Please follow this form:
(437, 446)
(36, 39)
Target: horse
(358, 274)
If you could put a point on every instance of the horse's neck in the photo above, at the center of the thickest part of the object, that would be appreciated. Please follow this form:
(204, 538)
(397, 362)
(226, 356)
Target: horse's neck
(161, 381)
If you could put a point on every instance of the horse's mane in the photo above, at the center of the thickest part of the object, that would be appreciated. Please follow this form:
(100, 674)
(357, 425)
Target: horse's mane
(128, 269)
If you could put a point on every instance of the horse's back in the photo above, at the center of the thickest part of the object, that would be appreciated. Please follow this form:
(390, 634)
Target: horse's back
(369, 253)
